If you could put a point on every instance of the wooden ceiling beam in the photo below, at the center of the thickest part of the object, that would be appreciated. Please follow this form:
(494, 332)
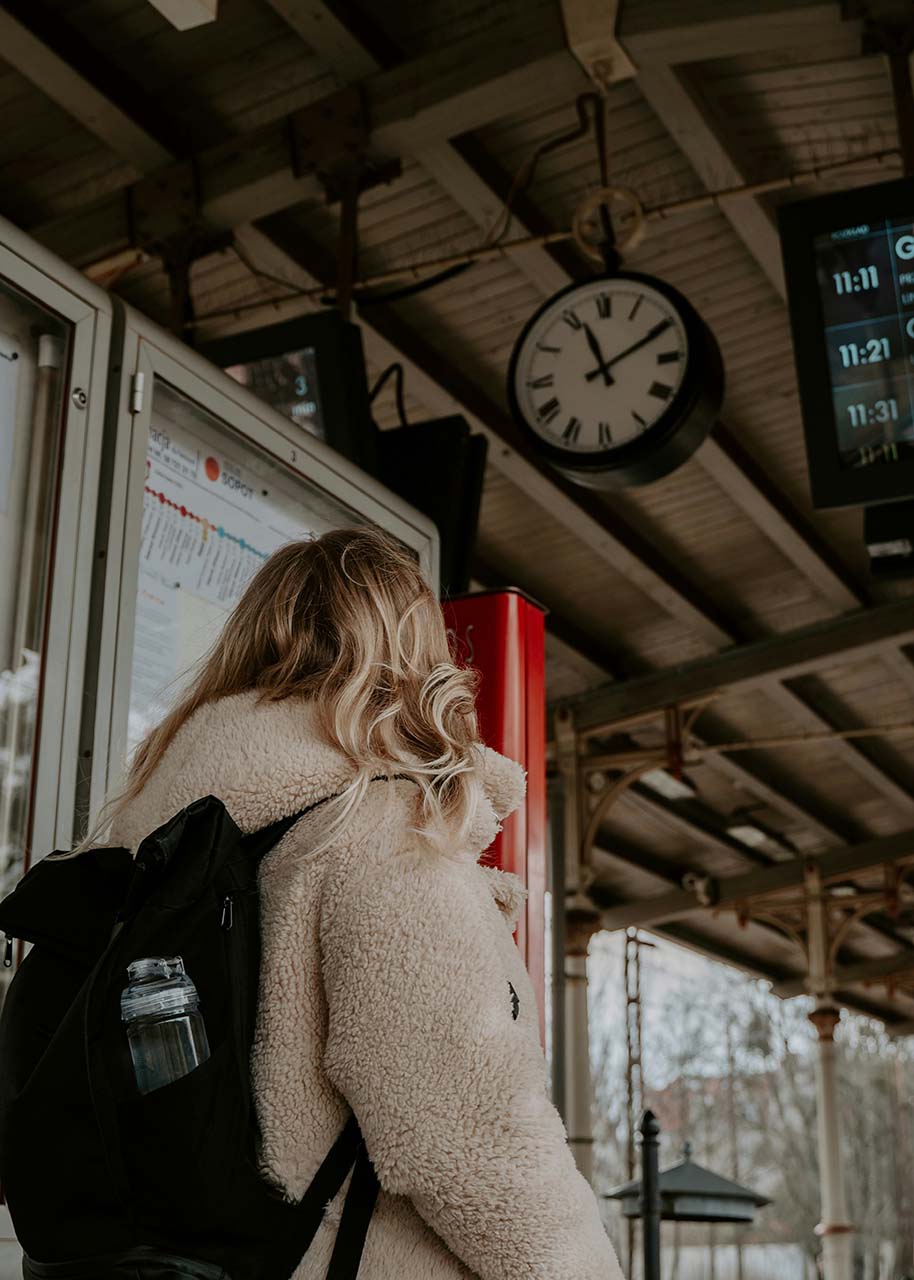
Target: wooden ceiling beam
(348, 55)
(45, 50)
(673, 32)
(674, 94)
(851, 637)
(410, 107)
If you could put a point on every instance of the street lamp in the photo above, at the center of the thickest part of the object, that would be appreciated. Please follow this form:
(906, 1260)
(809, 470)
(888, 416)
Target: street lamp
(687, 1192)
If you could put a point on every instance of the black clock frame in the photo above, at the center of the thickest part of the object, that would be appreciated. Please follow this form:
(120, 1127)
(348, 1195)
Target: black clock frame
(673, 438)
(799, 223)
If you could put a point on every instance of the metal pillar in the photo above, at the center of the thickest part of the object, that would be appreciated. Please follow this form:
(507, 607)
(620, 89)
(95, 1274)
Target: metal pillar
(835, 1231)
(582, 921)
(578, 1080)
(634, 1074)
(650, 1195)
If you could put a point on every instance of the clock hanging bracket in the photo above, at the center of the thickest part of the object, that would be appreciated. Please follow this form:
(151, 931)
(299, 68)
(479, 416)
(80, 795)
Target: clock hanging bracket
(596, 236)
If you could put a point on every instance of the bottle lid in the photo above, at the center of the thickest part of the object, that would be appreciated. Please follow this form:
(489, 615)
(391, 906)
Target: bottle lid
(158, 985)
(155, 966)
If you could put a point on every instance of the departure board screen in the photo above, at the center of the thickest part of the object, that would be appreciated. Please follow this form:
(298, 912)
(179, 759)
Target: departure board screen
(865, 277)
(289, 383)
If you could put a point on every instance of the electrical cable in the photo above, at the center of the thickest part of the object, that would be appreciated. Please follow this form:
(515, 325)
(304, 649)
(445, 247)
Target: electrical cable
(369, 298)
(394, 370)
(261, 274)
(503, 251)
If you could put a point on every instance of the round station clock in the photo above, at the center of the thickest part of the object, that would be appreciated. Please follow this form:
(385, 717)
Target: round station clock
(617, 380)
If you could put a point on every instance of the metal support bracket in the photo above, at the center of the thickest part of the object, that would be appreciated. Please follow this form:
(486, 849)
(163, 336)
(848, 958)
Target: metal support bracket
(165, 207)
(330, 140)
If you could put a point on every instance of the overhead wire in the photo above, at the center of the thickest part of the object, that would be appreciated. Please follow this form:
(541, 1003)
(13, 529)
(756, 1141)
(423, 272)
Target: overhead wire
(501, 249)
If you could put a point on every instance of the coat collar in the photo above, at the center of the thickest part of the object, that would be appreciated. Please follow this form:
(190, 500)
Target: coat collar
(266, 760)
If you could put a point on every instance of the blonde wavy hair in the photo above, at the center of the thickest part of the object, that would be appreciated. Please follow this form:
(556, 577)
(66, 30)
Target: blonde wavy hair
(347, 621)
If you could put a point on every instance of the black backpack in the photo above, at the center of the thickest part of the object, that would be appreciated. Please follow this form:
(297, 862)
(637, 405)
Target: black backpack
(89, 1166)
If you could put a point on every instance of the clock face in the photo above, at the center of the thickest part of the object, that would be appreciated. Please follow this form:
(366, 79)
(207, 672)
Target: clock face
(600, 365)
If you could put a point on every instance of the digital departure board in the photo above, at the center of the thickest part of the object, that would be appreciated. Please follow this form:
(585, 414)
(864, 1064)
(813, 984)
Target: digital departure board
(849, 267)
(312, 369)
(289, 383)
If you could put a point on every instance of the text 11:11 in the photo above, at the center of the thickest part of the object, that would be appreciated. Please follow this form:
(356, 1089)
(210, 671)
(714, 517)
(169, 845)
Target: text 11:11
(854, 282)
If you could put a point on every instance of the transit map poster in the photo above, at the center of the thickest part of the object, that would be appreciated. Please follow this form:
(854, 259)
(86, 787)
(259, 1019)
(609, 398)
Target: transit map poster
(214, 508)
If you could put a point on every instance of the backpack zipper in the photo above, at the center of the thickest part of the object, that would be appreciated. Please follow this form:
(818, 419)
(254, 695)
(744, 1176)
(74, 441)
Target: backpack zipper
(8, 953)
(228, 918)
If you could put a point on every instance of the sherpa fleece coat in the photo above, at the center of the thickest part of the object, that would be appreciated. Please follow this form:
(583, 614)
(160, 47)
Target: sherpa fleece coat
(385, 989)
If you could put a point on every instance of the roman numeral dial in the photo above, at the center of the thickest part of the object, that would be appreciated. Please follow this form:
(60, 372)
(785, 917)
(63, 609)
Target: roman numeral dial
(615, 381)
(599, 366)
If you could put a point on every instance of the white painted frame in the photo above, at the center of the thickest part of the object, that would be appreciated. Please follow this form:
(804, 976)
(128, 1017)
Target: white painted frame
(146, 349)
(28, 267)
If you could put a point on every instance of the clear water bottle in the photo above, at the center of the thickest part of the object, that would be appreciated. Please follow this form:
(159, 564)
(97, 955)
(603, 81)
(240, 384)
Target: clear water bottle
(165, 1028)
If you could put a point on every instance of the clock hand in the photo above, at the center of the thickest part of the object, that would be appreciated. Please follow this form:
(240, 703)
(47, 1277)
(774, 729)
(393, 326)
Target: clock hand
(595, 348)
(636, 346)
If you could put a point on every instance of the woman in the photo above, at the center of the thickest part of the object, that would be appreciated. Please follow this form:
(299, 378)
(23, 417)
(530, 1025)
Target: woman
(387, 948)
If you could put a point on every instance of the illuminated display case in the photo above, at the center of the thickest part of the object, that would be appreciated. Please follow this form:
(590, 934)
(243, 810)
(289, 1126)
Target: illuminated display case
(849, 268)
(55, 332)
(203, 481)
(140, 488)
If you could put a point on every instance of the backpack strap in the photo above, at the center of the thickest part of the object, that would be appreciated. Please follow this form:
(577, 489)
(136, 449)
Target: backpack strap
(289, 1251)
(347, 1153)
(268, 837)
(353, 1229)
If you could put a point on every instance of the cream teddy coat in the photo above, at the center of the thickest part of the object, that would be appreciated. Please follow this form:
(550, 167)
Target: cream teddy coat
(385, 989)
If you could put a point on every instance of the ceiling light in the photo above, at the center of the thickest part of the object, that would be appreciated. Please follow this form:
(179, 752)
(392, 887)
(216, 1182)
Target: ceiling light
(663, 782)
(185, 14)
(752, 836)
(843, 890)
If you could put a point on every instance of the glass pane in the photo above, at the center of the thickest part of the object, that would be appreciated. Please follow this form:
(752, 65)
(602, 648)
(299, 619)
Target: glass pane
(214, 507)
(34, 350)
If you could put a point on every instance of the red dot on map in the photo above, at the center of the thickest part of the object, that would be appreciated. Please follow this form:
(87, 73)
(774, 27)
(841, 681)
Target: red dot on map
(211, 467)
(184, 511)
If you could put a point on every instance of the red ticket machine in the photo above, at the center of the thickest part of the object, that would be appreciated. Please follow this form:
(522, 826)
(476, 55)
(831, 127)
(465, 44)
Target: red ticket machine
(502, 635)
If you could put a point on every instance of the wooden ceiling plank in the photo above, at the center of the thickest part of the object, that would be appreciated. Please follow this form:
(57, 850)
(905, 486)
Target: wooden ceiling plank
(329, 37)
(59, 79)
(900, 665)
(411, 107)
(745, 483)
(699, 32)
(804, 710)
(853, 636)
(345, 54)
(674, 94)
